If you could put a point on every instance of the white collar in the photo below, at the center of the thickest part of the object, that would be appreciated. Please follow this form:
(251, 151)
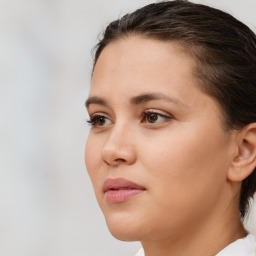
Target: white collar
(242, 247)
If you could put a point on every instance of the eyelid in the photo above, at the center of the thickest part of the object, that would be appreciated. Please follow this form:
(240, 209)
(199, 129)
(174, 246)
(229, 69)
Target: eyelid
(159, 112)
(98, 114)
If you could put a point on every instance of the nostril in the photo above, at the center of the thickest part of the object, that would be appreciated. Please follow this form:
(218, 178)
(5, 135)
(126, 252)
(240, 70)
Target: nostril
(106, 162)
(120, 160)
(115, 161)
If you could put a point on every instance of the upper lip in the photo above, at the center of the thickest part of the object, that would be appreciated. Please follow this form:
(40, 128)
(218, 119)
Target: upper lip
(119, 183)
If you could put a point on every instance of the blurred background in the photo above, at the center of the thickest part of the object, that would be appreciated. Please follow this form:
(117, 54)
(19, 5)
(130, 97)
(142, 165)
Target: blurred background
(47, 205)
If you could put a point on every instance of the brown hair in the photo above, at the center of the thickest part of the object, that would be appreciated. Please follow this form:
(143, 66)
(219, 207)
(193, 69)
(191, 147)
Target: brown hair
(223, 48)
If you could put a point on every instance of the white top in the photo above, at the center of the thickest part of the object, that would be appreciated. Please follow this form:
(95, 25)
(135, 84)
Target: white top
(241, 247)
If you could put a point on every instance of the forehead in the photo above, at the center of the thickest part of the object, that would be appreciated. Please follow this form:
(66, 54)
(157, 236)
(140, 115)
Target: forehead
(142, 63)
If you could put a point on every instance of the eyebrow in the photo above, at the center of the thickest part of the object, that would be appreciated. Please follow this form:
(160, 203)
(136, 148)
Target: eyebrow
(95, 100)
(140, 99)
(137, 100)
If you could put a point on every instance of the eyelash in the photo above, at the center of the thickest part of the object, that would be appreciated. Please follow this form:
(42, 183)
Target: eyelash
(147, 113)
(96, 117)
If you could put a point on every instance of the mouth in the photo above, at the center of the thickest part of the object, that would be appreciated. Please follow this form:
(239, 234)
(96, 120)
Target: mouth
(120, 190)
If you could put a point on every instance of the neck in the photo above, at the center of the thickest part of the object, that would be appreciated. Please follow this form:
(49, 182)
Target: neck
(206, 239)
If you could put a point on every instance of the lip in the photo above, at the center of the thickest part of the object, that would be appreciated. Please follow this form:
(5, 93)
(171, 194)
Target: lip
(119, 190)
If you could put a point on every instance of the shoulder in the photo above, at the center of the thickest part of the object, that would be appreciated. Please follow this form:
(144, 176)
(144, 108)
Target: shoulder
(140, 252)
(242, 247)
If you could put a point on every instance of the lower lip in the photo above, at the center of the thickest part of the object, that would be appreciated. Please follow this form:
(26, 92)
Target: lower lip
(122, 195)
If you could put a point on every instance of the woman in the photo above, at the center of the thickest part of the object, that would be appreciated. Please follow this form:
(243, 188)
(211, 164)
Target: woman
(172, 148)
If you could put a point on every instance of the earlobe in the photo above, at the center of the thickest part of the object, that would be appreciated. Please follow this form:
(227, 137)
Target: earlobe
(244, 161)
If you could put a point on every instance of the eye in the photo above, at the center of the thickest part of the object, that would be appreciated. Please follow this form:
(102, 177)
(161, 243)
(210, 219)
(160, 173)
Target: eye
(98, 120)
(153, 117)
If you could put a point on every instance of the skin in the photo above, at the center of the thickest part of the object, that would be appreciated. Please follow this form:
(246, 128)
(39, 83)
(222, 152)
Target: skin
(183, 158)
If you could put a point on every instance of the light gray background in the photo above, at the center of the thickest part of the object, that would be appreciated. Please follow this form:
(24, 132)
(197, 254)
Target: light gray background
(47, 206)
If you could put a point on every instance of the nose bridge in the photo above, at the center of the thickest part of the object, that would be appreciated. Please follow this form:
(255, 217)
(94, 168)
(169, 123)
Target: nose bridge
(117, 133)
(119, 145)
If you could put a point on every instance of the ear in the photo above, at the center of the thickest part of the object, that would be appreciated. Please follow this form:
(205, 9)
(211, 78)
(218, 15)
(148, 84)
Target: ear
(244, 160)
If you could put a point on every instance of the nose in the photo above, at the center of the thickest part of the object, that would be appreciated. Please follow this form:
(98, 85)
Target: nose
(119, 147)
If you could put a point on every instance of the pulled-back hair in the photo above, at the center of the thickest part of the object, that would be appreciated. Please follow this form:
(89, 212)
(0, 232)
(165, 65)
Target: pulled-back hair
(223, 48)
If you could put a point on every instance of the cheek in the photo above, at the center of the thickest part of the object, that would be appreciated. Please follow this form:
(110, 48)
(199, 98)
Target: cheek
(186, 165)
(92, 157)
(181, 151)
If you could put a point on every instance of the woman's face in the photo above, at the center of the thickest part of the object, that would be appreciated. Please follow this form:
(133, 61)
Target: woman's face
(157, 154)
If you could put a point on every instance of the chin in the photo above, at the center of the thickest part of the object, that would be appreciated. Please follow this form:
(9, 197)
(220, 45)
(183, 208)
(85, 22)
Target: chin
(127, 235)
(124, 228)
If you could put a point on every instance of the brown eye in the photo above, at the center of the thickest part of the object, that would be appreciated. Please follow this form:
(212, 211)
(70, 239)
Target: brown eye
(152, 117)
(99, 121)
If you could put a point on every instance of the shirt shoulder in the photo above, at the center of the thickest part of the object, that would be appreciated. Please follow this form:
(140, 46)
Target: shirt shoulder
(140, 252)
(242, 247)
